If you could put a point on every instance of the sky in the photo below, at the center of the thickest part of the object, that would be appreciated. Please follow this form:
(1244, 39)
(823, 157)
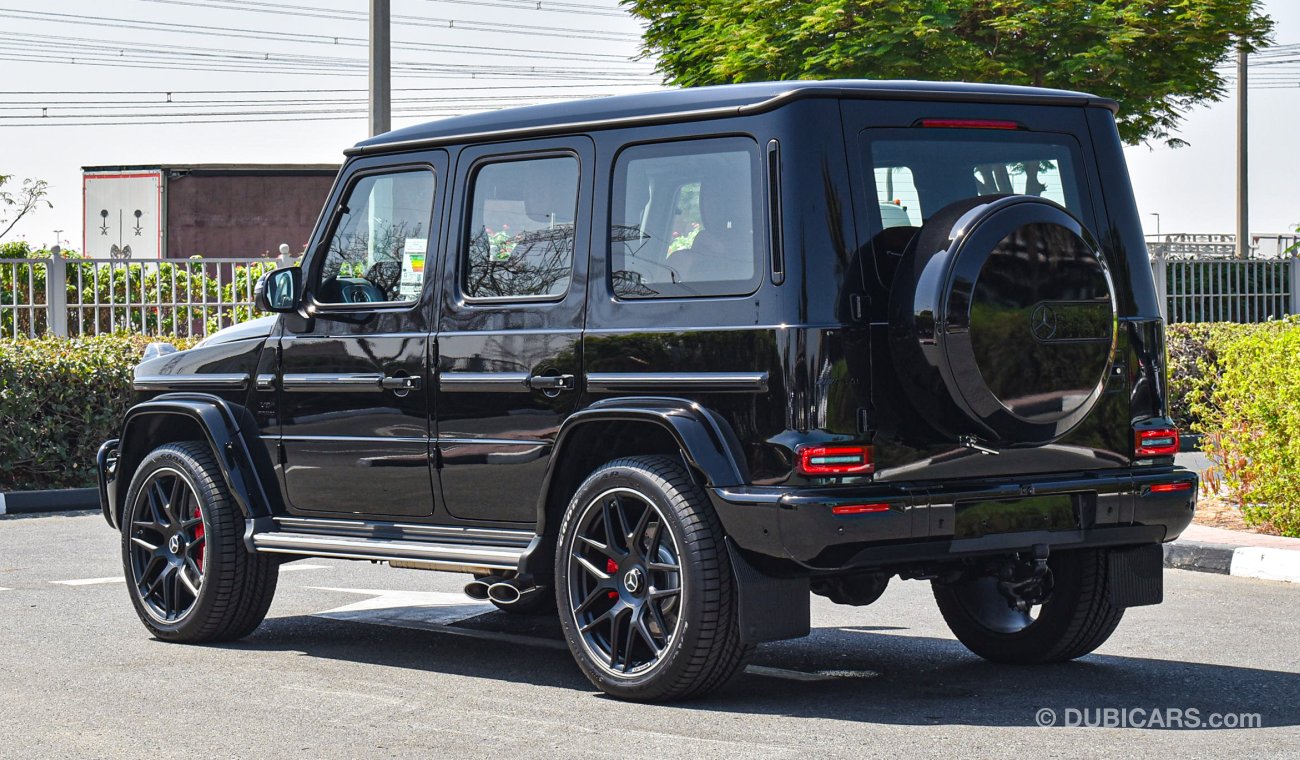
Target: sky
(87, 83)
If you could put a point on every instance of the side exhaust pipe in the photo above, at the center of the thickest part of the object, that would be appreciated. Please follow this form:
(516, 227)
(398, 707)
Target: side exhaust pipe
(510, 592)
(478, 588)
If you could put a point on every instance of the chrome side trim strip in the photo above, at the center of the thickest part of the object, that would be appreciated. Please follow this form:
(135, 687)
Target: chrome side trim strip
(499, 537)
(462, 555)
(715, 382)
(236, 382)
(483, 382)
(337, 383)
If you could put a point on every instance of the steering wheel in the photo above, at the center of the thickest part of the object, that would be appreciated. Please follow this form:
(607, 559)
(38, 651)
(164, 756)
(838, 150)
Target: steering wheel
(351, 290)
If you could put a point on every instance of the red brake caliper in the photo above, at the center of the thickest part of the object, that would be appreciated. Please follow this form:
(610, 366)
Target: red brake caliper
(611, 567)
(198, 533)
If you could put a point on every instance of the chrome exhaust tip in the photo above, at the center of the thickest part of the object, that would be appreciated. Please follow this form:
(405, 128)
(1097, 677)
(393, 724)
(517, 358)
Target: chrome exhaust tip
(479, 587)
(510, 592)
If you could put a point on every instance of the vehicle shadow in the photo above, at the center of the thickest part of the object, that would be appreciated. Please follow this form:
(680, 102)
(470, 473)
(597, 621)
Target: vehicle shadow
(839, 673)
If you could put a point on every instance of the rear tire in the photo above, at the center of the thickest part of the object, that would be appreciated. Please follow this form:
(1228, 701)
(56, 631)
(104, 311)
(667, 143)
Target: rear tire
(190, 577)
(1077, 618)
(644, 584)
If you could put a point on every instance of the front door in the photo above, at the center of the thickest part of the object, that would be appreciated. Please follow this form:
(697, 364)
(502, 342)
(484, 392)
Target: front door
(355, 378)
(509, 336)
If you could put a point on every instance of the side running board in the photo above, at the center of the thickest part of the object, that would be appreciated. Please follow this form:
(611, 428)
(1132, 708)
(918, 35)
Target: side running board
(456, 549)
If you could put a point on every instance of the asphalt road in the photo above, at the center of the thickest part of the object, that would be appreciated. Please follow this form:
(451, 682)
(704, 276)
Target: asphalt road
(359, 660)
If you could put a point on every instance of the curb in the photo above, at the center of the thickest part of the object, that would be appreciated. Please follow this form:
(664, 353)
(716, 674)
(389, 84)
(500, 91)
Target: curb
(61, 500)
(1264, 563)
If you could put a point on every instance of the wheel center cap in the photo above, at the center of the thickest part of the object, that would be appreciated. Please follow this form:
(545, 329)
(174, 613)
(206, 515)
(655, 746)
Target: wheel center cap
(632, 580)
(175, 543)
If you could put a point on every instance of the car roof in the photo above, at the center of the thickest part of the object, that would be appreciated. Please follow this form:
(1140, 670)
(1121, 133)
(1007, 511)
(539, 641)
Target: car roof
(668, 105)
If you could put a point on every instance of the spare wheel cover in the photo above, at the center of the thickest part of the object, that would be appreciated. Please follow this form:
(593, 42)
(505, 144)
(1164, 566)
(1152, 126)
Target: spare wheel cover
(1013, 308)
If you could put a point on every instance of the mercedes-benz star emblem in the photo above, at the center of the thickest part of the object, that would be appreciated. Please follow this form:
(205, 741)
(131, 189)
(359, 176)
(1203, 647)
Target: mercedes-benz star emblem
(174, 545)
(632, 580)
(1042, 323)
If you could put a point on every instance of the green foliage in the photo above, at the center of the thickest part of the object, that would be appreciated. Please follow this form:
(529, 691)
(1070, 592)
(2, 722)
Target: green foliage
(1157, 58)
(14, 205)
(59, 400)
(1247, 399)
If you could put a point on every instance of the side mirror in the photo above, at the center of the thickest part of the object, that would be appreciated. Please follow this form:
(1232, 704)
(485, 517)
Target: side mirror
(279, 290)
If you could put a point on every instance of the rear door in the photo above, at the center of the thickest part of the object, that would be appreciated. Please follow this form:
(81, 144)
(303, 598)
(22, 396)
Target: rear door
(355, 376)
(509, 336)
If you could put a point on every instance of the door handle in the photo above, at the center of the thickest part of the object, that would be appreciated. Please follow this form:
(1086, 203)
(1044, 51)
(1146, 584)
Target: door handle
(551, 382)
(400, 383)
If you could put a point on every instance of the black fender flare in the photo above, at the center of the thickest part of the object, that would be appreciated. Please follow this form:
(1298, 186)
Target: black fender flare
(704, 438)
(221, 426)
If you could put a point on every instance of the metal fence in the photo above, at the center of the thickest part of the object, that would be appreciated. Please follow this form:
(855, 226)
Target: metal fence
(1218, 289)
(192, 297)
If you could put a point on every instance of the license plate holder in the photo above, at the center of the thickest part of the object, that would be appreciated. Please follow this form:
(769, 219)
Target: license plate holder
(987, 517)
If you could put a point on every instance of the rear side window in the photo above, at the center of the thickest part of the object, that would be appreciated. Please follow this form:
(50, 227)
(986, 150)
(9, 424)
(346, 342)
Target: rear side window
(918, 172)
(685, 219)
(521, 232)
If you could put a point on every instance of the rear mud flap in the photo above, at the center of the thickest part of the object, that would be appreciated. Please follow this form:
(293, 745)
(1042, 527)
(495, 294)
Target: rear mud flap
(771, 609)
(1135, 576)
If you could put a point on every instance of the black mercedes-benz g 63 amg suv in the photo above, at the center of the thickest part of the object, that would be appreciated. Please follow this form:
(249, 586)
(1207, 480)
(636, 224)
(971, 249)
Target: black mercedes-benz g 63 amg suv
(673, 361)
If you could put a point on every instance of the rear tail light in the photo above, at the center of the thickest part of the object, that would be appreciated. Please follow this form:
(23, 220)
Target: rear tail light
(835, 460)
(970, 124)
(1156, 442)
(1185, 485)
(859, 509)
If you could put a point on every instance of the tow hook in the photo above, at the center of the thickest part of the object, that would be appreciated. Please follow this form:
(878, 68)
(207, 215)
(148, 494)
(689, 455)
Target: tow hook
(1023, 592)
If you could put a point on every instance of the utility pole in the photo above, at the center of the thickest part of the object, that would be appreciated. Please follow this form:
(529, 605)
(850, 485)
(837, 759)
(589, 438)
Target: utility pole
(381, 85)
(1243, 171)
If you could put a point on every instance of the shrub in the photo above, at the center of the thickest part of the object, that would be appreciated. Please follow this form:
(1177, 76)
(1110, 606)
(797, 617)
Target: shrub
(1251, 413)
(59, 400)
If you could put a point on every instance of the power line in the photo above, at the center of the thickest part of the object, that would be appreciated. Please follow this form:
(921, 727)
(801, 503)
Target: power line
(85, 47)
(421, 21)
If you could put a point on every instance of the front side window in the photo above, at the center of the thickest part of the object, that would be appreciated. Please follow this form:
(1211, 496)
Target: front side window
(685, 220)
(521, 233)
(380, 242)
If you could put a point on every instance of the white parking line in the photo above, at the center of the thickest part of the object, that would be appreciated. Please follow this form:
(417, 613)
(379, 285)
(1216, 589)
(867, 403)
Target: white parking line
(6, 589)
(296, 567)
(425, 611)
(90, 581)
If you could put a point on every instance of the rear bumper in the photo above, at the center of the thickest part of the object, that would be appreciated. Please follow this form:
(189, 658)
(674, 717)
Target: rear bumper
(105, 468)
(798, 525)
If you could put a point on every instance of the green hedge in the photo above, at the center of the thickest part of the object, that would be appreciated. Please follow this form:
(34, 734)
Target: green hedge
(1239, 385)
(59, 400)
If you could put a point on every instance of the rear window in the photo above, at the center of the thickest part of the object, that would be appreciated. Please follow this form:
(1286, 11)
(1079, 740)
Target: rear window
(918, 172)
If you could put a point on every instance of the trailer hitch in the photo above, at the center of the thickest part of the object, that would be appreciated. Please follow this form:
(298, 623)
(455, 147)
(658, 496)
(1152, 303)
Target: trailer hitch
(1025, 585)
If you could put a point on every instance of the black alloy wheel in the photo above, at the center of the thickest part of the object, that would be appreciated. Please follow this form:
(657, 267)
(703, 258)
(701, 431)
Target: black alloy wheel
(625, 571)
(167, 544)
(188, 572)
(644, 583)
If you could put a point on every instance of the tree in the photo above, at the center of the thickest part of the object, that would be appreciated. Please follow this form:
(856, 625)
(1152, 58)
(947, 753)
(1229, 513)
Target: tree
(1158, 58)
(23, 202)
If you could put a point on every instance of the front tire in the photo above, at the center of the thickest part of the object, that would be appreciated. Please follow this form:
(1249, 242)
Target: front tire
(190, 577)
(644, 584)
(1077, 618)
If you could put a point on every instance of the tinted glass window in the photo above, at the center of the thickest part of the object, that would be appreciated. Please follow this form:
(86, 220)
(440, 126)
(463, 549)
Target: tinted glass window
(379, 245)
(920, 171)
(521, 234)
(685, 218)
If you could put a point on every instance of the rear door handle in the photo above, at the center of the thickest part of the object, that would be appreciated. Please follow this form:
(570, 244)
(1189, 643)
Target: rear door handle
(551, 382)
(400, 383)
